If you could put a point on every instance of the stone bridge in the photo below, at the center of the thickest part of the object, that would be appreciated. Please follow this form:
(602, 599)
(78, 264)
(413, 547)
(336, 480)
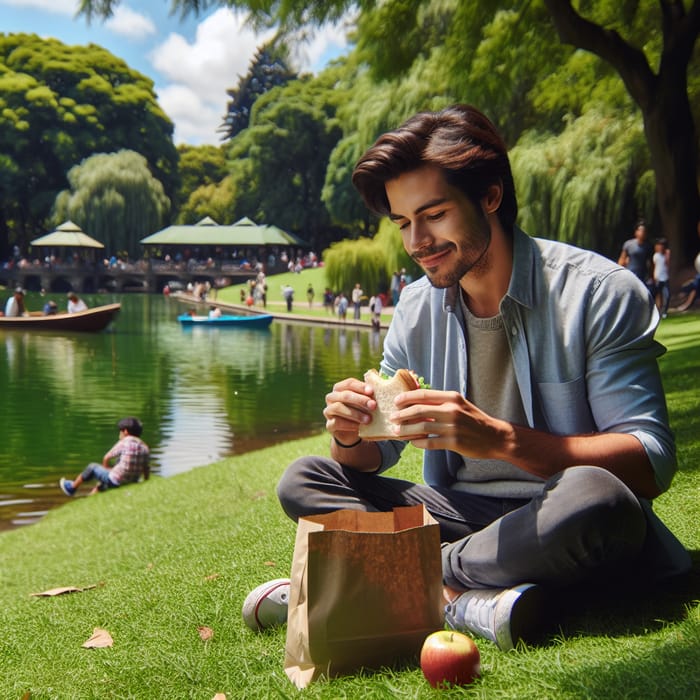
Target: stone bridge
(142, 276)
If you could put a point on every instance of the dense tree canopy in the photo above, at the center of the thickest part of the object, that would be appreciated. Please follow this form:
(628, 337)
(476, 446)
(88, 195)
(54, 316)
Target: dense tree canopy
(199, 166)
(58, 105)
(115, 198)
(522, 62)
(280, 160)
(216, 200)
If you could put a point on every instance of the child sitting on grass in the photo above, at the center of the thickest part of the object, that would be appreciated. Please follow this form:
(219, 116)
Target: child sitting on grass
(132, 455)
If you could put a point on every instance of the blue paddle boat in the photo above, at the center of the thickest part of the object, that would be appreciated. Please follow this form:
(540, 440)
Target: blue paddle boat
(253, 321)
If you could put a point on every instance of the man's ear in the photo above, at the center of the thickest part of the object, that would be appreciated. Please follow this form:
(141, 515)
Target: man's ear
(491, 201)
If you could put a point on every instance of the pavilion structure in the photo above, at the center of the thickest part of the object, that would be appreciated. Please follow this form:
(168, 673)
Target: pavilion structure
(243, 245)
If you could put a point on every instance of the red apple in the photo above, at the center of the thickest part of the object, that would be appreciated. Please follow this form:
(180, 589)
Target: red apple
(449, 657)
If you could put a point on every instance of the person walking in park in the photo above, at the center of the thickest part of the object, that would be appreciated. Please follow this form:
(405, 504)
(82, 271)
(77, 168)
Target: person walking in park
(288, 295)
(356, 297)
(661, 267)
(636, 253)
(132, 462)
(377, 308)
(342, 303)
(544, 432)
(395, 287)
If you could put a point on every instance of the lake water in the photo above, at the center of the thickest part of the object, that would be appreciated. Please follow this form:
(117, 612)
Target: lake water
(202, 393)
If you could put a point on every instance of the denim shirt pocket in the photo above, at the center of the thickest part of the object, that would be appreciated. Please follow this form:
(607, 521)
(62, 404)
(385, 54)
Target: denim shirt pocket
(565, 408)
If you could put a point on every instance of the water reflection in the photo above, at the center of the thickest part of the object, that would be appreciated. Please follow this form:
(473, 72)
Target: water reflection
(202, 393)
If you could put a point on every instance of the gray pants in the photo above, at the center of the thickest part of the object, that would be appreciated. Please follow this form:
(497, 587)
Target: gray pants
(586, 524)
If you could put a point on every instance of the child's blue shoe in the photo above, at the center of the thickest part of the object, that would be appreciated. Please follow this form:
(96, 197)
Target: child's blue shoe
(67, 486)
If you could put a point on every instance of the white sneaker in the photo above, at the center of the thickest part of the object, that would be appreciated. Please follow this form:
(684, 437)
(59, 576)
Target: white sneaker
(503, 615)
(266, 606)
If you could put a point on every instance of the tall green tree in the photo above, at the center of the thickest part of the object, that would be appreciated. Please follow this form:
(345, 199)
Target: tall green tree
(282, 156)
(58, 105)
(268, 69)
(115, 198)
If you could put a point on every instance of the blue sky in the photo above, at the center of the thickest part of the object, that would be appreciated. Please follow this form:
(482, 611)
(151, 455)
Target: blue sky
(192, 61)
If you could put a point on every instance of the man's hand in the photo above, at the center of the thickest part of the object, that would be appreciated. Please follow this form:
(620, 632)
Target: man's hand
(445, 420)
(349, 405)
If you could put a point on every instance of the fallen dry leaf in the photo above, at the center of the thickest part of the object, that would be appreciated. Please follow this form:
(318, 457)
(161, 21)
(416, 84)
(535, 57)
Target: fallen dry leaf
(212, 577)
(100, 638)
(63, 589)
(206, 633)
(270, 563)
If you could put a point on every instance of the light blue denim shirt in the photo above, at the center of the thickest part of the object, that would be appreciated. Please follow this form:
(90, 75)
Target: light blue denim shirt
(581, 334)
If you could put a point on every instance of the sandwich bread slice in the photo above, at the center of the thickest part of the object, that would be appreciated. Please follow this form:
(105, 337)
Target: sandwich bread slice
(385, 391)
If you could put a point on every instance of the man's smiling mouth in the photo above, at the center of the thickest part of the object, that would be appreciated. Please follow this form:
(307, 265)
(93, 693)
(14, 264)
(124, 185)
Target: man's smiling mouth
(430, 257)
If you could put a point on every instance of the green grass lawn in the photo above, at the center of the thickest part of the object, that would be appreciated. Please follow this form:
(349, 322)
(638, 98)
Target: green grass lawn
(299, 282)
(176, 554)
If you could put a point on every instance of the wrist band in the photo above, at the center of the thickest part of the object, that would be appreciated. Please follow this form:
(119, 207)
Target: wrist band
(347, 447)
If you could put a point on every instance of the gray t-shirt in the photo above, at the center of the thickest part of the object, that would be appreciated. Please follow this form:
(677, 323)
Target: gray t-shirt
(491, 385)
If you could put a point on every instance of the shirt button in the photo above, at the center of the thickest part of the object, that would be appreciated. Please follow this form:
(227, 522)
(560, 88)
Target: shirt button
(514, 331)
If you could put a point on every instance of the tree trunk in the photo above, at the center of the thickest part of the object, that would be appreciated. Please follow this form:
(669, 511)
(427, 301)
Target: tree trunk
(670, 133)
(663, 100)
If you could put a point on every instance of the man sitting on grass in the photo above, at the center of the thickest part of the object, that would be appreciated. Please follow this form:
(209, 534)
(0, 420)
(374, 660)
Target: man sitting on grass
(545, 430)
(132, 455)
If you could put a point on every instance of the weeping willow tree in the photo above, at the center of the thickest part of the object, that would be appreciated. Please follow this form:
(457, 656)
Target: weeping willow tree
(369, 261)
(587, 185)
(216, 200)
(114, 198)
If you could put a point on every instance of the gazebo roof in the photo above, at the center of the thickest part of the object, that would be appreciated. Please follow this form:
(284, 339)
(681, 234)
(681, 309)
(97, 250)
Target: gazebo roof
(66, 235)
(244, 232)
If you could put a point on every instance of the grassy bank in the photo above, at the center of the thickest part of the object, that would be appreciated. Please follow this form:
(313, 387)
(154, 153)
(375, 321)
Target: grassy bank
(173, 555)
(299, 282)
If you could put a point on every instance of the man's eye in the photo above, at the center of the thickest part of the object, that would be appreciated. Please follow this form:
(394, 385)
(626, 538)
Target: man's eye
(436, 216)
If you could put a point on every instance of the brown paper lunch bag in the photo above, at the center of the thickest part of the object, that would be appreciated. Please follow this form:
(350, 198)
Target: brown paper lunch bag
(366, 590)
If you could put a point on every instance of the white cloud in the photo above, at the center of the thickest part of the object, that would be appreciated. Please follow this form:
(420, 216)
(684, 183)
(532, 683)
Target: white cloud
(128, 23)
(196, 75)
(195, 119)
(199, 73)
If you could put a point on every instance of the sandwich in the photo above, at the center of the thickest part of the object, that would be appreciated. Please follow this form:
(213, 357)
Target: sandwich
(385, 391)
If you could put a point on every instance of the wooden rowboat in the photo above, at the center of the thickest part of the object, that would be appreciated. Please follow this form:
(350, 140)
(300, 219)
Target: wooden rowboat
(256, 321)
(91, 321)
